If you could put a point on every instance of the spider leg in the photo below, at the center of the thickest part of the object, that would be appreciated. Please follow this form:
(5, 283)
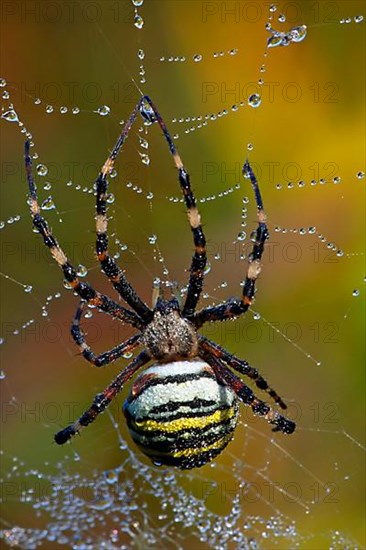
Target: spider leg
(108, 264)
(240, 366)
(246, 395)
(102, 400)
(84, 290)
(235, 307)
(85, 350)
(199, 257)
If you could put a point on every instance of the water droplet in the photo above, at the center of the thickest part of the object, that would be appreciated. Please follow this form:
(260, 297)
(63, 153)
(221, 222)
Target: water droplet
(42, 169)
(63, 109)
(138, 22)
(241, 236)
(152, 239)
(2, 375)
(67, 285)
(275, 40)
(356, 292)
(282, 18)
(360, 175)
(75, 110)
(256, 316)
(197, 58)
(144, 143)
(150, 196)
(272, 8)
(81, 270)
(48, 204)
(6, 95)
(141, 54)
(88, 314)
(110, 198)
(2, 82)
(298, 34)
(137, 3)
(336, 179)
(234, 51)
(49, 109)
(250, 146)
(147, 112)
(127, 355)
(145, 159)
(104, 110)
(28, 288)
(340, 253)
(10, 116)
(358, 18)
(207, 268)
(312, 230)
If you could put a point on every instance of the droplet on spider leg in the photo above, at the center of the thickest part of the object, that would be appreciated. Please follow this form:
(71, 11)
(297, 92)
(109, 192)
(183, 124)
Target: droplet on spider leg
(356, 293)
(147, 112)
(207, 268)
(141, 54)
(81, 270)
(48, 204)
(197, 58)
(28, 289)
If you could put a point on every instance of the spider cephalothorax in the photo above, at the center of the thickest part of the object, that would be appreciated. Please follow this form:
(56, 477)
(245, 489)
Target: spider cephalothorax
(169, 337)
(181, 411)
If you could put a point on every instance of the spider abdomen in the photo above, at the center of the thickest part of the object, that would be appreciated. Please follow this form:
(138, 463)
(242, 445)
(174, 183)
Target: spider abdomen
(180, 415)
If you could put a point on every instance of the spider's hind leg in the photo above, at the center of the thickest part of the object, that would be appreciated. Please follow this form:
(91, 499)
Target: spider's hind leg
(102, 400)
(246, 395)
(242, 367)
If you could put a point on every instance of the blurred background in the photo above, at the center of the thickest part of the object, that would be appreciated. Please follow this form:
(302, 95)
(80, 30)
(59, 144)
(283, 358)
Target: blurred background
(69, 71)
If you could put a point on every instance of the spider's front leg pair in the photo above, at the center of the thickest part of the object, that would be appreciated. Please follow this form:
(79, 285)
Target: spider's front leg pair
(235, 307)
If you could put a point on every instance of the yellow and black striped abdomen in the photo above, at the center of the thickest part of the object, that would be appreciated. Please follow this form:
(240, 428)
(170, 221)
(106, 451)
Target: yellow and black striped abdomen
(180, 415)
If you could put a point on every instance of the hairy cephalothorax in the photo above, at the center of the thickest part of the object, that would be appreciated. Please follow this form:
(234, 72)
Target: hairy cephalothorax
(182, 410)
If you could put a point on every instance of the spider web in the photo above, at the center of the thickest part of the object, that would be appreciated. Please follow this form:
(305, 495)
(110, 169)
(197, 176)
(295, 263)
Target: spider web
(304, 134)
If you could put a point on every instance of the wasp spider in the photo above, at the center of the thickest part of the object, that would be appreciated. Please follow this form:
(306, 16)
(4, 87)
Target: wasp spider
(182, 410)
